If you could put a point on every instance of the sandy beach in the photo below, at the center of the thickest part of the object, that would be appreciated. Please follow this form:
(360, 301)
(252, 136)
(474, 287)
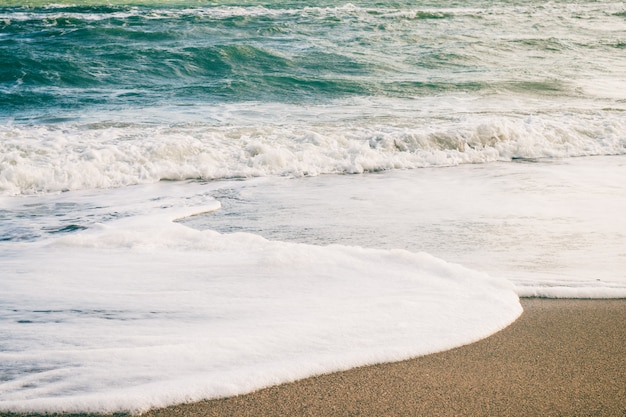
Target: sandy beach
(560, 358)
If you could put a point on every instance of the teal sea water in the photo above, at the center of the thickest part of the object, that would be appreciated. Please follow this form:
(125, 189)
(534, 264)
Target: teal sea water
(202, 198)
(240, 89)
(63, 60)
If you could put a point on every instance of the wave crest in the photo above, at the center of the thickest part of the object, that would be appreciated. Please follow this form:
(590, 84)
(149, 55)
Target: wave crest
(56, 158)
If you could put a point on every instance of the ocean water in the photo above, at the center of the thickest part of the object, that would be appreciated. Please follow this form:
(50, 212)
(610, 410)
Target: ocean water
(199, 199)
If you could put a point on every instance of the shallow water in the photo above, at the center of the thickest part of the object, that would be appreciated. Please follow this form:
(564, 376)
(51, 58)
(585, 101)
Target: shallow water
(553, 227)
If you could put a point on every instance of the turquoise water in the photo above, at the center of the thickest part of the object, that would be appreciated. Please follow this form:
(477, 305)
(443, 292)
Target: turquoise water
(111, 94)
(67, 59)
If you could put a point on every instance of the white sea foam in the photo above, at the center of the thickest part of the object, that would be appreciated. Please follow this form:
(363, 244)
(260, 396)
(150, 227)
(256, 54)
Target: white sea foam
(35, 159)
(143, 312)
(554, 228)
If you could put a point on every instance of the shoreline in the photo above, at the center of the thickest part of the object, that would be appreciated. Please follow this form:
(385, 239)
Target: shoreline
(562, 357)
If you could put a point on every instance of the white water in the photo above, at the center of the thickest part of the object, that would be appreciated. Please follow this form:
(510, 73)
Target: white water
(555, 228)
(138, 311)
(142, 312)
(35, 159)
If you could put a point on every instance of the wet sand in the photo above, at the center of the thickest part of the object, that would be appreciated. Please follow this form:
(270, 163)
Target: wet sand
(560, 358)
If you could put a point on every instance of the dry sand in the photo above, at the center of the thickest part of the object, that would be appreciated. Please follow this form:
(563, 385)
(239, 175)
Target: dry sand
(560, 358)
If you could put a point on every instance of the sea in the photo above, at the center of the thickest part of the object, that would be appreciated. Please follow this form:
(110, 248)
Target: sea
(202, 198)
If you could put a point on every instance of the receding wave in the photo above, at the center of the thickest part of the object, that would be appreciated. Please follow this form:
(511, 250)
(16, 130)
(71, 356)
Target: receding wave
(250, 317)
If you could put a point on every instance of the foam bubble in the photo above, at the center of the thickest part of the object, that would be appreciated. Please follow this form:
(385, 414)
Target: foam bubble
(70, 157)
(143, 312)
